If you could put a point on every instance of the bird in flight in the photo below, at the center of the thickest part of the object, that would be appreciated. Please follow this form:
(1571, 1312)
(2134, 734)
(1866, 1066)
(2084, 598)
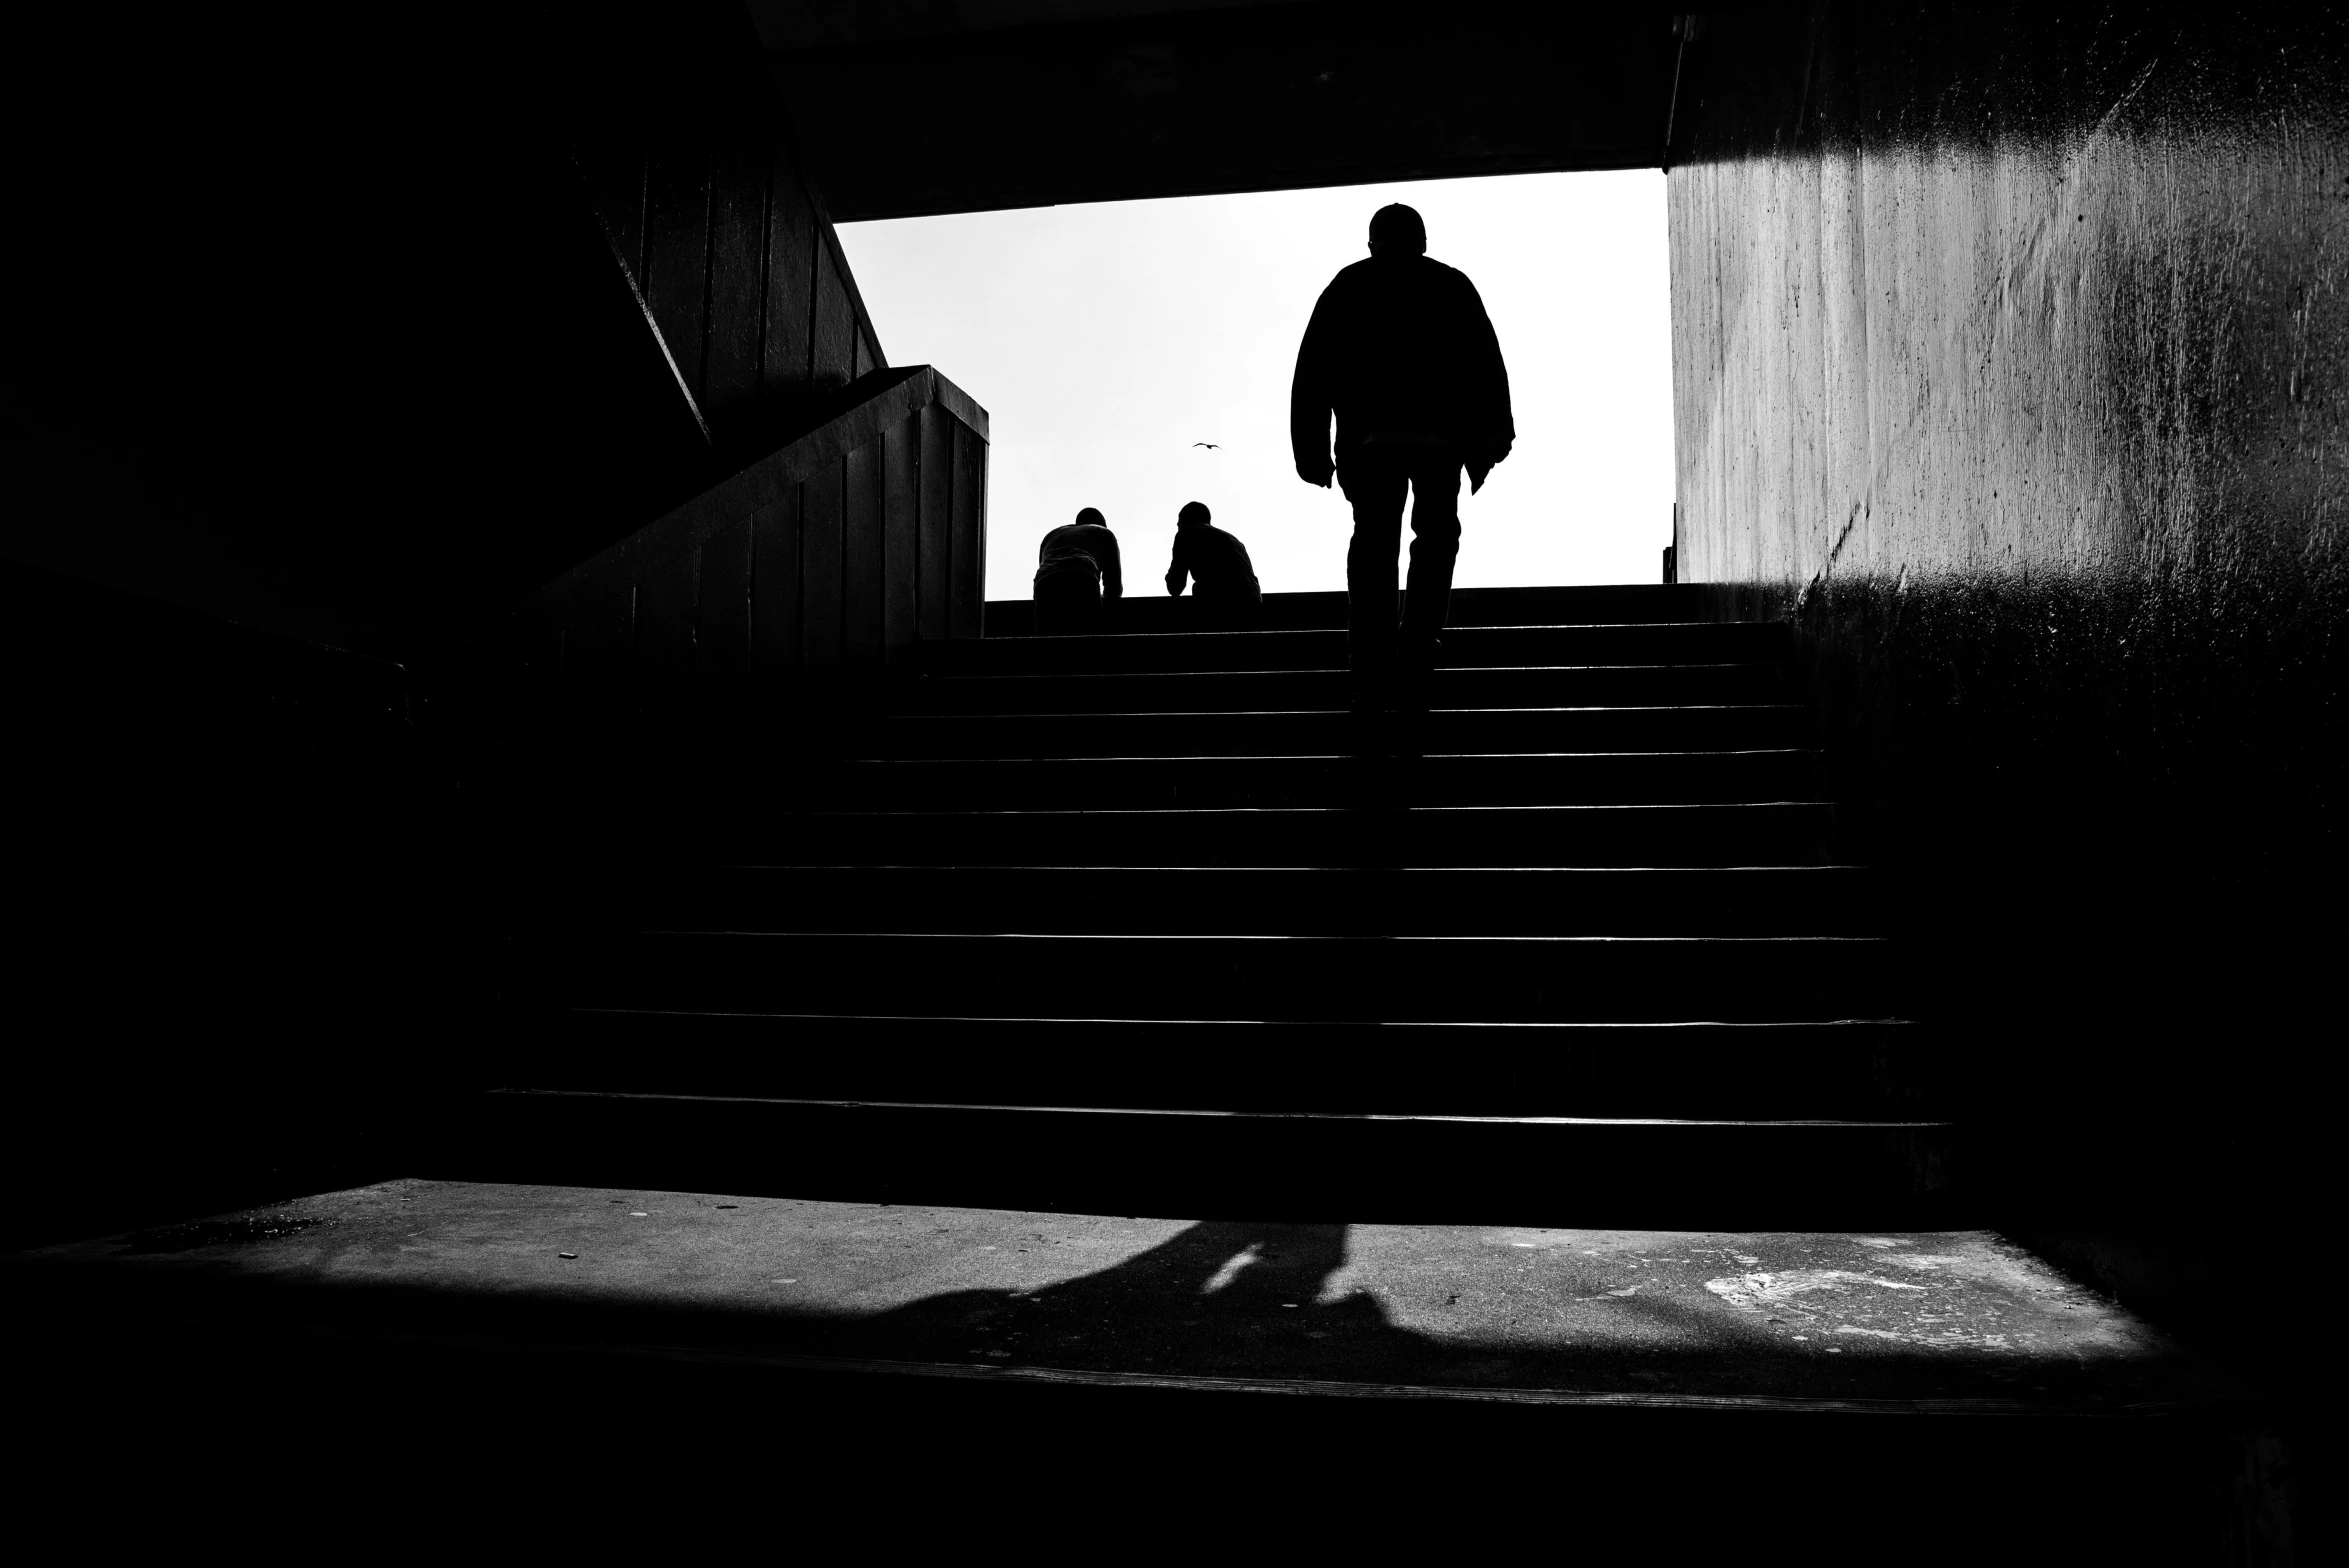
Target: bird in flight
(1210, 445)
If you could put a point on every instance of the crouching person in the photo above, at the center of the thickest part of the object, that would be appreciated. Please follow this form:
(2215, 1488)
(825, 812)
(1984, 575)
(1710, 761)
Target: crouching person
(1224, 580)
(1076, 570)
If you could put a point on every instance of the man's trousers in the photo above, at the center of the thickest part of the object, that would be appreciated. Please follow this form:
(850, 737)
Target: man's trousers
(1375, 479)
(1068, 598)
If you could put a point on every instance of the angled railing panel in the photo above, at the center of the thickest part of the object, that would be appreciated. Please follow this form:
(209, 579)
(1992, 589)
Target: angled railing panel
(815, 566)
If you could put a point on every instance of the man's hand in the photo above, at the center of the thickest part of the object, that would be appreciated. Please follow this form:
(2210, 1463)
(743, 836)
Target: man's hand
(1483, 463)
(1318, 476)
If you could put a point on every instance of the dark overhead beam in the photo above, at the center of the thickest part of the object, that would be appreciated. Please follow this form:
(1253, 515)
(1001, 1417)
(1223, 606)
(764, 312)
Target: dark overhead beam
(1238, 98)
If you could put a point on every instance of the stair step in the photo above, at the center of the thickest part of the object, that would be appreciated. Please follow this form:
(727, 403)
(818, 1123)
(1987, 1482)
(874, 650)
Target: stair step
(1377, 979)
(1326, 732)
(1150, 918)
(1574, 606)
(1699, 642)
(1565, 686)
(1851, 1068)
(1585, 778)
(1762, 833)
(1416, 901)
(1116, 1161)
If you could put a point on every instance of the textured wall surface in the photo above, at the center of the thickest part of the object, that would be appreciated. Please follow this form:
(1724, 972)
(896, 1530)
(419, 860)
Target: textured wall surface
(2012, 355)
(826, 560)
(705, 200)
(2011, 361)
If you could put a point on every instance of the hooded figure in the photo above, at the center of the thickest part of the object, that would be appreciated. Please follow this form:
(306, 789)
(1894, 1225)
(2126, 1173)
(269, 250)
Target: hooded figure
(1401, 352)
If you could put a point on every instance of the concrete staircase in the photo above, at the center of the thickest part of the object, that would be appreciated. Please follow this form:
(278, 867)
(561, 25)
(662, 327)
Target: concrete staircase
(1149, 921)
(1110, 1085)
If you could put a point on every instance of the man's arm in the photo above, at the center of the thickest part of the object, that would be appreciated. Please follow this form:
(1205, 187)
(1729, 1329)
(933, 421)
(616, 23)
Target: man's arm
(1177, 572)
(1112, 580)
(1492, 375)
(1309, 395)
(1488, 391)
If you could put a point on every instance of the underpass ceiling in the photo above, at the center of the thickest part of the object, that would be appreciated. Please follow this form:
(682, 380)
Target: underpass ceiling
(969, 105)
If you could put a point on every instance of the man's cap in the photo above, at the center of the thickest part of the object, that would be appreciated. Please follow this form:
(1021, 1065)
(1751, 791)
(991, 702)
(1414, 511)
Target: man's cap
(1092, 514)
(1399, 225)
(1195, 509)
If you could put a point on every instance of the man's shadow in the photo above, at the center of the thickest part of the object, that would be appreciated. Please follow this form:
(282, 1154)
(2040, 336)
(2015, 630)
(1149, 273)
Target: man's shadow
(1219, 1298)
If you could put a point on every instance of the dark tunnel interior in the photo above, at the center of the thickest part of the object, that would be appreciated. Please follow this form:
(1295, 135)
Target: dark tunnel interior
(502, 688)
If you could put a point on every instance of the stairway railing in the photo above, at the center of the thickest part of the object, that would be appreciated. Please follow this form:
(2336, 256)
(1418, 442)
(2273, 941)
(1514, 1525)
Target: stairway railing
(806, 573)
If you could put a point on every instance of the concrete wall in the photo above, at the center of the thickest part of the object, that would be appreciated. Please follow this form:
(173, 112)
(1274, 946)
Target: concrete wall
(696, 176)
(313, 337)
(315, 326)
(2014, 350)
(2011, 361)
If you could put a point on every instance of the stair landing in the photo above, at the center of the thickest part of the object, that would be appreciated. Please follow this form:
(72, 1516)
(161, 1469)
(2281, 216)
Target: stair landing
(1954, 1321)
(601, 1360)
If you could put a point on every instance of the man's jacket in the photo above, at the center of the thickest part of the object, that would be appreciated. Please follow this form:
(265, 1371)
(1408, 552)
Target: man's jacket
(1217, 559)
(1086, 543)
(1400, 349)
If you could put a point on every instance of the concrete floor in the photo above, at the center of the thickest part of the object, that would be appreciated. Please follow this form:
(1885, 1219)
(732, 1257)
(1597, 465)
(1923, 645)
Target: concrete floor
(1925, 1319)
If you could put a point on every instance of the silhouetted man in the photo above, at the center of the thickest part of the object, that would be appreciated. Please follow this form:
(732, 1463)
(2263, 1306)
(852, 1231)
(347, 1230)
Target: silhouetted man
(1400, 349)
(1225, 587)
(1076, 568)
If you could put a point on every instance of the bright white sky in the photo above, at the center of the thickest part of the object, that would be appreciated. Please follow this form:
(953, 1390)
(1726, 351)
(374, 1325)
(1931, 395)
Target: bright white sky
(1103, 340)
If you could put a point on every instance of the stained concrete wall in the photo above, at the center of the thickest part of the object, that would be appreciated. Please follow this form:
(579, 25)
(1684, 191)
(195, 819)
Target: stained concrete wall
(2011, 352)
(2011, 361)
